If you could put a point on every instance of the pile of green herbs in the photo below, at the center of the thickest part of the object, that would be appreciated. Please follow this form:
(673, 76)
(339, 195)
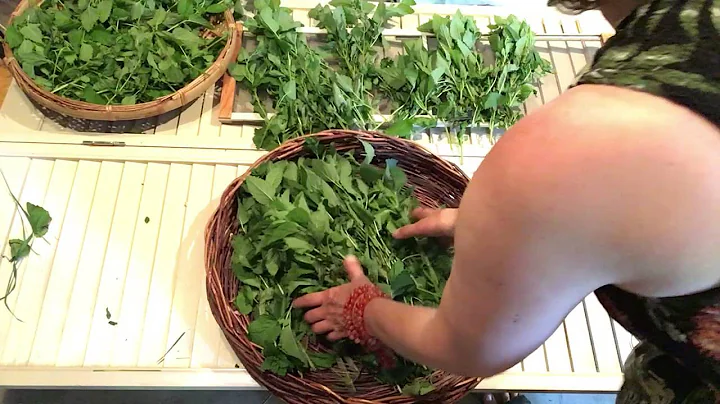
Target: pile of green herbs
(297, 222)
(453, 84)
(343, 83)
(117, 51)
(307, 93)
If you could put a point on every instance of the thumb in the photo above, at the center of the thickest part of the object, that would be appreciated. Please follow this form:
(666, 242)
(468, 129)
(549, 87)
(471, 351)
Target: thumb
(353, 267)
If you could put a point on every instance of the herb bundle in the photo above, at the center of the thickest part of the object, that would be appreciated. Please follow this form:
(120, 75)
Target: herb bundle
(39, 220)
(306, 93)
(453, 84)
(297, 221)
(117, 51)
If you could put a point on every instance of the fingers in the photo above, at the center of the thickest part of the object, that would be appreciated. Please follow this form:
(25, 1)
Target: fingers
(438, 223)
(336, 335)
(353, 267)
(322, 327)
(422, 212)
(316, 315)
(311, 300)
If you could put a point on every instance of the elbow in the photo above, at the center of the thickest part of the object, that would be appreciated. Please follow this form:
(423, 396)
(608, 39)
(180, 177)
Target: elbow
(474, 366)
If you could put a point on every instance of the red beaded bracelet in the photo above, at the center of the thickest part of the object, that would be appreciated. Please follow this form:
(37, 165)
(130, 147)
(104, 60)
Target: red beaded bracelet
(354, 319)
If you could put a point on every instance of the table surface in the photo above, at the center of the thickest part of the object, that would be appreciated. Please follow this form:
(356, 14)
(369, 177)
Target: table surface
(127, 239)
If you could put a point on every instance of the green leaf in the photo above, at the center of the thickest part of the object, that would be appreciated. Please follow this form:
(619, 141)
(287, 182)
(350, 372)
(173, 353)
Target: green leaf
(402, 284)
(401, 128)
(277, 363)
(104, 9)
(266, 16)
(323, 360)
(289, 89)
(89, 18)
(217, 8)
(264, 331)
(298, 245)
(137, 10)
(260, 190)
(456, 27)
(39, 219)
(289, 345)
(186, 38)
(32, 32)
(92, 97)
(345, 82)
(300, 216)
(13, 36)
(185, 7)
(19, 249)
(128, 100)
(86, 52)
(419, 387)
(244, 301)
(369, 152)
(492, 100)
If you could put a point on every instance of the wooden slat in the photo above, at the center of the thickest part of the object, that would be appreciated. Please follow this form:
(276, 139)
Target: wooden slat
(207, 332)
(115, 266)
(159, 301)
(87, 277)
(30, 298)
(190, 118)
(603, 337)
(129, 333)
(579, 341)
(62, 275)
(624, 341)
(189, 272)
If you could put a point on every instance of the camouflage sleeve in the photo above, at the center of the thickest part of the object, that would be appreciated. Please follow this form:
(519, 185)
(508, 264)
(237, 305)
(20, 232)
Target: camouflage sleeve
(670, 48)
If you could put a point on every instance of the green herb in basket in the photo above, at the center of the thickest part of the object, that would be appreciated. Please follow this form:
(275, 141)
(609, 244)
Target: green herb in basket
(117, 51)
(297, 221)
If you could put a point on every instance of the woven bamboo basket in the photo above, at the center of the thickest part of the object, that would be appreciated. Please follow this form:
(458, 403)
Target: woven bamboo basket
(436, 183)
(170, 102)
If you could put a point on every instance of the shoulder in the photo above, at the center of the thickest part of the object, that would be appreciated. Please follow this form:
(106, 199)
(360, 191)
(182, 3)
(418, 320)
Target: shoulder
(630, 177)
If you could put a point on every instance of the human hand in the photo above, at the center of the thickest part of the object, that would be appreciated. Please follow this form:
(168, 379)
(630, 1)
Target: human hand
(430, 223)
(327, 306)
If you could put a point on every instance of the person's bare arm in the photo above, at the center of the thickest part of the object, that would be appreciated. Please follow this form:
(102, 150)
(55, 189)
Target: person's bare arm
(590, 190)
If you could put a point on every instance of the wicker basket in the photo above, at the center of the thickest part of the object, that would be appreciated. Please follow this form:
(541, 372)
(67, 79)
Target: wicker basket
(436, 183)
(86, 110)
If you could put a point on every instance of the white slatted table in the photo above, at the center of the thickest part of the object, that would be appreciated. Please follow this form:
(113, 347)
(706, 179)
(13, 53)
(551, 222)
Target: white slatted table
(127, 237)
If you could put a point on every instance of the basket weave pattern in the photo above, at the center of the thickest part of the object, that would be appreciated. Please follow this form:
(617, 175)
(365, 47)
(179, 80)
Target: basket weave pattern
(170, 102)
(436, 183)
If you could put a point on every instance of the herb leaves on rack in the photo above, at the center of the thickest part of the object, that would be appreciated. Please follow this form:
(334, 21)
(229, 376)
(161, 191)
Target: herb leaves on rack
(117, 51)
(297, 221)
(306, 94)
(341, 84)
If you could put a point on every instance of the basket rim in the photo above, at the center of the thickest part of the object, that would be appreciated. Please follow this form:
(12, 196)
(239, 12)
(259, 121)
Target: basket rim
(233, 324)
(117, 112)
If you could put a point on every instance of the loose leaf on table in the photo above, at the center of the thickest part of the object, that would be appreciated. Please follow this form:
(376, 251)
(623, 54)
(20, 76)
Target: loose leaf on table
(39, 219)
(19, 249)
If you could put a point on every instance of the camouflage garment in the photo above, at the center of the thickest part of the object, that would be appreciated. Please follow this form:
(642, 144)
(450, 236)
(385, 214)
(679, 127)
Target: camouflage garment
(670, 48)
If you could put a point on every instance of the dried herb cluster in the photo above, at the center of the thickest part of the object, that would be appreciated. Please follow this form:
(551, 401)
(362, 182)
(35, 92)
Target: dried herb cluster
(117, 51)
(298, 220)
